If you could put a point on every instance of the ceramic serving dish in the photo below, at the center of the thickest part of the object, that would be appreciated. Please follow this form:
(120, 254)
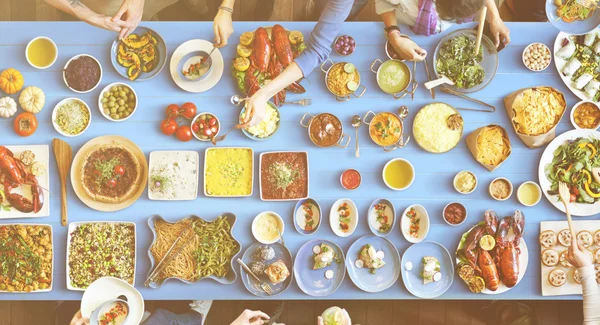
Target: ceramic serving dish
(231, 275)
(162, 54)
(315, 282)
(301, 217)
(281, 253)
(55, 112)
(343, 217)
(405, 223)
(381, 217)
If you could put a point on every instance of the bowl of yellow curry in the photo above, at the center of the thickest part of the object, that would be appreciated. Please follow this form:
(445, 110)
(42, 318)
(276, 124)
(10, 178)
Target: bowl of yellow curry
(342, 80)
(385, 129)
(394, 77)
(228, 172)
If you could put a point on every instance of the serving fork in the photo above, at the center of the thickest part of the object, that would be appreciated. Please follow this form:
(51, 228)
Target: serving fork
(263, 285)
(303, 102)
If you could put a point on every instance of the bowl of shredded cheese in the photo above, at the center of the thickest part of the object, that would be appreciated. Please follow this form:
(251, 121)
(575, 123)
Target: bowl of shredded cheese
(71, 117)
(267, 127)
(438, 127)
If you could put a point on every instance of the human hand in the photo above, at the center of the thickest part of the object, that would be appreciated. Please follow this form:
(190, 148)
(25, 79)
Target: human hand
(129, 16)
(499, 32)
(577, 255)
(256, 108)
(223, 28)
(78, 319)
(105, 22)
(407, 49)
(251, 317)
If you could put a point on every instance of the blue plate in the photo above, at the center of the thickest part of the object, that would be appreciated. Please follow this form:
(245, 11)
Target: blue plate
(185, 58)
(253, 137)
(384, 277)
(281, 253)
(577, 27)
(161, 46)
(313, 282)
(412, 279)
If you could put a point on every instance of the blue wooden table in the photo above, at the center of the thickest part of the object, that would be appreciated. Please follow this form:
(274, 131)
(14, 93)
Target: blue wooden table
(434, 173)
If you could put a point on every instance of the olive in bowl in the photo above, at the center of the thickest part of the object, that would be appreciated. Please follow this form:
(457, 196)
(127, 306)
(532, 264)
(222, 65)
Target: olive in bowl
(344, 45)
(117, 102)
(205, 126)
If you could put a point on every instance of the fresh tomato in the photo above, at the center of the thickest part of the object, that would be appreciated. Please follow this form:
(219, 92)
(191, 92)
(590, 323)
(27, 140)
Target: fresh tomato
(172, 111)
(112, 182)
(168, 126)
(119, 169)
(195, 127)
(188, 110)
(212, 122)
(184, 133)
(25, 124)
(97, 173)
(573, 198)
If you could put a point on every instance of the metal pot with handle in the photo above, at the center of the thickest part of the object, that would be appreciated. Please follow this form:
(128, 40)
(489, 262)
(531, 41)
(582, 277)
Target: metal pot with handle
(377, 123)
(344, 93)
(410, 82)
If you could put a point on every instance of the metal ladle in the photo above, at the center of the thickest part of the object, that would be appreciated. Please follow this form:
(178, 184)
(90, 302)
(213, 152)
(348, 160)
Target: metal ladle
(403, 113)
(237, 100)
(356, 124)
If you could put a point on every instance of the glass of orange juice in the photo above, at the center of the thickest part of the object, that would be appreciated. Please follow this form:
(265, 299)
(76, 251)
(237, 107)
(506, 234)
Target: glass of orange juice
(41, 52)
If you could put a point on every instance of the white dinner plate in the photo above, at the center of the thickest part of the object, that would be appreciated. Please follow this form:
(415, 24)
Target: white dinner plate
(560, 63)
(576, 209)
(213, 76)
(108, 288)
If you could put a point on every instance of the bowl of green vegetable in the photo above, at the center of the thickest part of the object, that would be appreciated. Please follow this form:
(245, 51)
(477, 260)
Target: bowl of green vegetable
(455, 58)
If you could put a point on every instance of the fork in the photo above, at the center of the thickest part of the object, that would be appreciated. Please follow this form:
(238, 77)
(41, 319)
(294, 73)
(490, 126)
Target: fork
(565, 195)
(281, 237)
(263, 285)
(303, 102)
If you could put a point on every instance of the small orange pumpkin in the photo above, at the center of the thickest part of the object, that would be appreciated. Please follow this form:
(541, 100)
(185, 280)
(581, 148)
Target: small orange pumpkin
(11, 81)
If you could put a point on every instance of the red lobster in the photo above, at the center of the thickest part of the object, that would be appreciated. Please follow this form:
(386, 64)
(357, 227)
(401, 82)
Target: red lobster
(262, 50)
(507, 247)
(275, 68)
(285, 56)
(488, 270)
(13, 173)
(472, 241)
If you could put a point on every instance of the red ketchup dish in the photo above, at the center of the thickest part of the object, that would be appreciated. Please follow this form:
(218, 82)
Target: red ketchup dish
(455, 213)
(205, 126)
(350, 179)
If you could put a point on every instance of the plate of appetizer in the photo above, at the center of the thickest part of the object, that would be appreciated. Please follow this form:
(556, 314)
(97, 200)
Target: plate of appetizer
(571, 16)
(572, 158)
(373, 263)
(23, 165)
(283, 175)
(307, 216)
(191, 54)
(271, 264)
(99, 249)
(108, 289)
(109, 173)
(502, 239)
(211, 238)
(262, 55)
(32, 271)
(427, 269)
(343, 217)
(573, 55)
(415, 223)
(319, 268)
(559, 277)
(140, 56)
(173, 175)
(382, 217)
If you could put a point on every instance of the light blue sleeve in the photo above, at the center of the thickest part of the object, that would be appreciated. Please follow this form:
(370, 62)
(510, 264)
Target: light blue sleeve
(323, 35)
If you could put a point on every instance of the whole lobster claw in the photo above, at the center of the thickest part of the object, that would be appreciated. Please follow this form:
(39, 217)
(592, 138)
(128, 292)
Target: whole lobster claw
(518, 225)
(491, 221)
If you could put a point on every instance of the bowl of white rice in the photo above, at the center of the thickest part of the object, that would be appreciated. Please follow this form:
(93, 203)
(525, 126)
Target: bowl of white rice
(267, 127)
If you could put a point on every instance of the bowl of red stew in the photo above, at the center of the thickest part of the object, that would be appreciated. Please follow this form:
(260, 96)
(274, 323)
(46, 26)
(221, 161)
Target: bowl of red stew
(455, 213)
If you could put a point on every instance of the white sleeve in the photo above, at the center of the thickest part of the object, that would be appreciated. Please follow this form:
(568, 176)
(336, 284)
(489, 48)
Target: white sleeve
(591, 296)
(382, 6)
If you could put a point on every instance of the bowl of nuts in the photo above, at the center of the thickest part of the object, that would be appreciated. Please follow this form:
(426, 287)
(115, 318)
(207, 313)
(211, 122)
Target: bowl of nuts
(537, 57)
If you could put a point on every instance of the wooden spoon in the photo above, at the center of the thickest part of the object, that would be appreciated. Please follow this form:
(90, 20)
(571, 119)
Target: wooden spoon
(64, 155)
(480, 30)
(565, 196)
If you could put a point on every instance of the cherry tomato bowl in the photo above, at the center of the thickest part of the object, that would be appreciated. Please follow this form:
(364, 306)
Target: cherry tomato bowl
(105, 100)
(204, 126)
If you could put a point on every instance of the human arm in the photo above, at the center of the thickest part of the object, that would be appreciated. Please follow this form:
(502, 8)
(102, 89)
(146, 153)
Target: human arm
(404, 46)
(316, 52)
(80, 11)
(591, 297)
(130, 13)
(251, 317)
(79, 320)
(222, 24)
(499, 31)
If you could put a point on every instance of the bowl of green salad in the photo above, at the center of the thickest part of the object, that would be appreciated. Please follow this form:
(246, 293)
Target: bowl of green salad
(455, 58)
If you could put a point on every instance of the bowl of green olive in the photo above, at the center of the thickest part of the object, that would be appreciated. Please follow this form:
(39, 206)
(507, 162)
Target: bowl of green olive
(117, 102)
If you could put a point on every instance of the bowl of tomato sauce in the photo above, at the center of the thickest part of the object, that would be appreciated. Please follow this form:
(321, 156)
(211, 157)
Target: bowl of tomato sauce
(350, 179)
(455, 213)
